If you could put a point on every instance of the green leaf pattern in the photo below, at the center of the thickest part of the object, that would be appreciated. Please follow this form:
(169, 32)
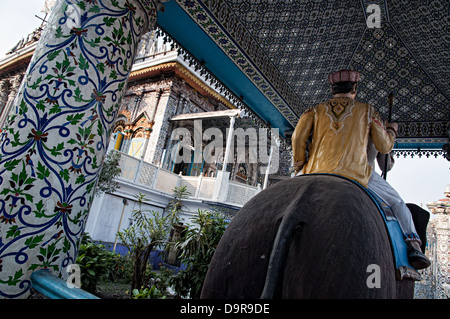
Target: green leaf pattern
(57, 134)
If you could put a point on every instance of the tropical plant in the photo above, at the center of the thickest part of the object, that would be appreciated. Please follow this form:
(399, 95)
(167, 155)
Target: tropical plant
(142, 237)
(174, 208)
(110, 170)
(196, 249)
(96, 263)
(176, 205)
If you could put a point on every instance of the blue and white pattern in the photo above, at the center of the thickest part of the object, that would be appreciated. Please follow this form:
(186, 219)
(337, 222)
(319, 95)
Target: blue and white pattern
(57, 133)
(288, 48)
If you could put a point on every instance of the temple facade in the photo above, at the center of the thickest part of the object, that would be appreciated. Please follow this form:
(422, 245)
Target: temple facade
(166, 100)
(439, 236)
(436, 278)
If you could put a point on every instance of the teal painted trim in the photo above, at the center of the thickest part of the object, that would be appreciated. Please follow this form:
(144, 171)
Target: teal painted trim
(422, 146)
(180, 26)
(56, 288)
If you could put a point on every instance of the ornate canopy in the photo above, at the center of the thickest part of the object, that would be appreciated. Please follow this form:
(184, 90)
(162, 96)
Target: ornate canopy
(275, 56)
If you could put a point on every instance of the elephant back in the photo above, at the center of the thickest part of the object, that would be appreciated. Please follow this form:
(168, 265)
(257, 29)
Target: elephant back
(337, 234)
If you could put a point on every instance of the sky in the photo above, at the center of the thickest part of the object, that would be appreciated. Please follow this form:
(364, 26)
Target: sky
(417, 180)
(17, 19)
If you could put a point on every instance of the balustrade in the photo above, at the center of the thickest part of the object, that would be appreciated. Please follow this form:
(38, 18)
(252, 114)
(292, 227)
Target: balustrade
(146, 174)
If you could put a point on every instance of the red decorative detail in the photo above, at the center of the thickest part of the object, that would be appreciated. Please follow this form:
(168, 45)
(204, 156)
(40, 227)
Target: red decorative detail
(377, 121)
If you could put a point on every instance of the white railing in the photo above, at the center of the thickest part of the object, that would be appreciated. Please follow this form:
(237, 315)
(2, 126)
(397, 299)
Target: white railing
(166, 181)
(206, 189)
(191, 183)
(140, 172)
(129, 166)
(240, 193)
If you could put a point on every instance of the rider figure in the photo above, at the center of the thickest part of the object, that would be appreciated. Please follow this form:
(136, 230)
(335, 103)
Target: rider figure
(383, 189)
(341, 129)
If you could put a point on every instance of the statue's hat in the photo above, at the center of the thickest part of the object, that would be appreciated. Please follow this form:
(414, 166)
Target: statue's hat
(343, 76)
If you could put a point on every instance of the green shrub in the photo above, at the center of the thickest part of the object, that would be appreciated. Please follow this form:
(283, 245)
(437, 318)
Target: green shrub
(96, 263)
(110, 170)
(147, 293)
(197, 248)
(147, 232)
(162, 279)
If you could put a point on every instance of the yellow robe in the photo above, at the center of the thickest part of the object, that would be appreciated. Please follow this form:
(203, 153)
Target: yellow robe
(340, 133)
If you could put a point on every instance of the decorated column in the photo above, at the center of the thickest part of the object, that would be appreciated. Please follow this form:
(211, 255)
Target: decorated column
(58, 130)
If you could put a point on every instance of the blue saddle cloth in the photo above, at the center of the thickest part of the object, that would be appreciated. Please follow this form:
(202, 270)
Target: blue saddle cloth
(397, 238)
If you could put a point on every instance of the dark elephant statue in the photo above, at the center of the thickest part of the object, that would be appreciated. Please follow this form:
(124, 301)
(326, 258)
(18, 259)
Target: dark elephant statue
(312, 236)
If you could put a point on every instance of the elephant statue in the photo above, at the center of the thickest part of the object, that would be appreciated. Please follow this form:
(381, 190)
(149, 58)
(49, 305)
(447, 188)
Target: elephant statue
(312, 236)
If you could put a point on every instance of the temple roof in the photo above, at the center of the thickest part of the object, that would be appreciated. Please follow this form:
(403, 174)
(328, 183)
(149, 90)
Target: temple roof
(275, 56)
(441, 205)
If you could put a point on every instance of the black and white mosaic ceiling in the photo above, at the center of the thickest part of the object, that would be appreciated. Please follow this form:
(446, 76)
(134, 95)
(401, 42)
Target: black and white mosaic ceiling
(287, 49)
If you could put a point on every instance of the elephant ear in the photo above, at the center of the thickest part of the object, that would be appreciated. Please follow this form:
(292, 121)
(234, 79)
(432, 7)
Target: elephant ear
(420, 218)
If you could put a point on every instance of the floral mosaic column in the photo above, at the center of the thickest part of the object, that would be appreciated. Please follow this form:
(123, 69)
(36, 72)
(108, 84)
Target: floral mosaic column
(58, 130)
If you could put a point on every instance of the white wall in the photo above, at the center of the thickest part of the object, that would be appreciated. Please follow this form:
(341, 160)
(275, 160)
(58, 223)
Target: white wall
(104, 217)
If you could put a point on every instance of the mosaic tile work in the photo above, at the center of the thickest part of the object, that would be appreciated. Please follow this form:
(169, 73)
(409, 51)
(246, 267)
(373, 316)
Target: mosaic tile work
(206, 19)
(57, 133)
(287, 49)
(386, 66)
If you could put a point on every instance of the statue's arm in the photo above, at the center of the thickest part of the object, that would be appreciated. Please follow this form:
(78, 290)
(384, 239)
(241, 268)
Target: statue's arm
(300, 138)
(382, 139)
